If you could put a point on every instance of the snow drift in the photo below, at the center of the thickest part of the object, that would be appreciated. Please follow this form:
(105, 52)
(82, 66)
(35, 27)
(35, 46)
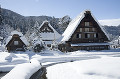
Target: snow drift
(23, 71)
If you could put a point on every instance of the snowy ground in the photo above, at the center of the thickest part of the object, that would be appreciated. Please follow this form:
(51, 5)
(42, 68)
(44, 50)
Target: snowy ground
(9, 60)
(23, 71)
(103, 68)
(86, 65)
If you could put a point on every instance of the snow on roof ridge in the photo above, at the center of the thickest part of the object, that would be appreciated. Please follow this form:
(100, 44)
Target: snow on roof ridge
(43, 23)
(16, 32)
(74, 23)
(56, 34)
(48, 25)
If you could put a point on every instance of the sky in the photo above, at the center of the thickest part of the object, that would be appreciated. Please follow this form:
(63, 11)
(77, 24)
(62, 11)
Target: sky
(101, 9)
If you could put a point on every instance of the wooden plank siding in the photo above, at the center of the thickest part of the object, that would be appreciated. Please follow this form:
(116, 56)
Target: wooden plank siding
(93, 24)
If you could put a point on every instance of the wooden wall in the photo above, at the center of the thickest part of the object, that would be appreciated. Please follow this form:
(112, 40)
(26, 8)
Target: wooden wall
(94, 28)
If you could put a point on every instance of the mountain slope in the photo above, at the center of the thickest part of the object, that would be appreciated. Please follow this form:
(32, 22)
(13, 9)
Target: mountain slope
(110, 22)
(24, 24)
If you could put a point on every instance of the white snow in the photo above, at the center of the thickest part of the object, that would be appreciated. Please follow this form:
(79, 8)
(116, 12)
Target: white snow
(8, 39)
(50, 36)
(23, 71)
(87, 65)
(24, 40)
(16, 32)
(48, 42)
(36, 41)
(2, 48)
(89, 44)
(103, 68)
(9, 60)
(110, 22)
(74, 24)
(1, 37)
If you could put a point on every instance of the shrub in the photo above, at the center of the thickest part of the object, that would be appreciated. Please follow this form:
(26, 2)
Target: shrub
(38, 48)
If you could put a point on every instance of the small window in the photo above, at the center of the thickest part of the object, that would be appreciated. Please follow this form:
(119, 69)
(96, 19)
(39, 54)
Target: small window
(78, 36)
(93, 29)
(87, 23)
(80, 29)
(95, 35)
(86, 29)
(15, 42)
(87, 35)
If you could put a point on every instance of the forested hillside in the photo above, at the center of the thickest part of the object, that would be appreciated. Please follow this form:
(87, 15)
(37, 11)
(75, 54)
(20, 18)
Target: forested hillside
(12, 21)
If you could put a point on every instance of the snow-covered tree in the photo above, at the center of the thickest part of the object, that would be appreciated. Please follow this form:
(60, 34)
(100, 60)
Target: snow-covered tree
(38, 44)
(34, 38)
(54, 45)
(5, 31)
(63, 23)
(0, 15)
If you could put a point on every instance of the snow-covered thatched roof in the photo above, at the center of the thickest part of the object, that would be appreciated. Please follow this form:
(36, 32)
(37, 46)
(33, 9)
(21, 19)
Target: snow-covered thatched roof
(74, 24)
(16, 32)
(22, 37)
(49, 35)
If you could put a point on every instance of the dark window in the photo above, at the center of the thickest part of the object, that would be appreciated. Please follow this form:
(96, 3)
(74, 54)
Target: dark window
(86, 35)
(77, 35)
(96, 35)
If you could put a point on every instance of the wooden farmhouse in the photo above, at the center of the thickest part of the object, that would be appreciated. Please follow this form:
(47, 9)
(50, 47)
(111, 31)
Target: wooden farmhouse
(84, 33)
(16, 42)
(48, 33)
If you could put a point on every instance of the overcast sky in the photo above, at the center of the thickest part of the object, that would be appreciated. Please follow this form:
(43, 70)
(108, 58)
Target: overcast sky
(101, 9)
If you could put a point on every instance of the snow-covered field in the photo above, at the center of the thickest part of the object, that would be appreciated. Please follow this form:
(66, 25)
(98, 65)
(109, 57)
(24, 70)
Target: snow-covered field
(103, 68)
(77, 65)
(9, 60)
